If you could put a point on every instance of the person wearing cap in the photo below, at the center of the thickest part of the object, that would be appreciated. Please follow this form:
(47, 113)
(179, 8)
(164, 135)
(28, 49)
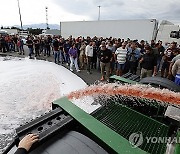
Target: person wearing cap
(148, 63)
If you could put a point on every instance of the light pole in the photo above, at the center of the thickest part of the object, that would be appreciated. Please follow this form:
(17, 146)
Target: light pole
(99, 12)
(47, 25)
(20, 15)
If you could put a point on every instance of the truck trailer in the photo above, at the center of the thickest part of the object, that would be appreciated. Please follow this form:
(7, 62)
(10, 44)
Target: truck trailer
(133, 29)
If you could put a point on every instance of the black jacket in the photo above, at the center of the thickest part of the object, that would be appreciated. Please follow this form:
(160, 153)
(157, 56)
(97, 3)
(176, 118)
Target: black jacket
(21, 151)
(149, 61)
(105, 55)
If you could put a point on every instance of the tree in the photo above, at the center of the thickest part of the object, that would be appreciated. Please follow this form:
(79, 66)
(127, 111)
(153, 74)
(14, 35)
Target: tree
(36, 31)
(13, 27)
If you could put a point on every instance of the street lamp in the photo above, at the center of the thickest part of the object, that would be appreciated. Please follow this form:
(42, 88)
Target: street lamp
(99, 12)
(20, 15)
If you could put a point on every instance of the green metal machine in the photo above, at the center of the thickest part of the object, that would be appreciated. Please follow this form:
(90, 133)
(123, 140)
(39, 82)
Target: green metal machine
(123, 125)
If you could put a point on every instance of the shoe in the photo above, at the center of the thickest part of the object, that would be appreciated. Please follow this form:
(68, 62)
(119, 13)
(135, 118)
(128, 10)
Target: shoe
(102, 79)
(89, 72)
(78, 71)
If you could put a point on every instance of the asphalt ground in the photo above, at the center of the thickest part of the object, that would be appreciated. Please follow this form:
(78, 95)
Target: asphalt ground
(88, 78)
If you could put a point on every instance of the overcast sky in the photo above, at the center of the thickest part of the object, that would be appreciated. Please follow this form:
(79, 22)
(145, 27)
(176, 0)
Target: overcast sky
(33, 11)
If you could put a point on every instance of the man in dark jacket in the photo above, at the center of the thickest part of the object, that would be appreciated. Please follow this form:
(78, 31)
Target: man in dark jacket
(105, 56)
(56, 51)
(148, 63)
(29, 43)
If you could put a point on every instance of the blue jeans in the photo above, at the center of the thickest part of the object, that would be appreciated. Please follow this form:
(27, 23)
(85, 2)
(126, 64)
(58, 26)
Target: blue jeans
(47, 50)
(61, 55)
(120, 66)
(30, 52)
(11, 46)
(73, 61)
(56, 56)
(158, 63)
(66, 57)
(177, 79)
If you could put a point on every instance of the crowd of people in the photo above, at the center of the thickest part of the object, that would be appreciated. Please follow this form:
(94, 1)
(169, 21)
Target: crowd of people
(109, 55)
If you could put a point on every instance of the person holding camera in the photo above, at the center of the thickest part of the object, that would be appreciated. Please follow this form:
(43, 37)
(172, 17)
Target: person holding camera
(133, 56)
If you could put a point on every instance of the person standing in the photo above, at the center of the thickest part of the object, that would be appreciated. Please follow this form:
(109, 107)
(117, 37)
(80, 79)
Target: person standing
(94, 59)
(19, 46)
(36, 46)
(133, 57)
(2, 43)
(105, 56)
(82, 55)
(56, 51)
(168, 56)
(61, 53)
(29, 43)
(89, 56)
(73, 53)
(177, 56)
(148, 63)
(66, 48)
(15, 39)
(120, 58)
(47, 43)
(161, 50)
(176, 72)
(112, 49)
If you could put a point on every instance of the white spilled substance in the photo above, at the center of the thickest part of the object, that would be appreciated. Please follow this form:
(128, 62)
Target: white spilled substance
(27, 89)
(86, 104)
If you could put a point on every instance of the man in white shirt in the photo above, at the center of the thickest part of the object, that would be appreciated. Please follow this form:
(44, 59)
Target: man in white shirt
(89, 56)
(120, 58)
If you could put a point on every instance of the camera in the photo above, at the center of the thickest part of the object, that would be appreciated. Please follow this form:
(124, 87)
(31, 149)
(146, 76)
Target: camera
(175, 34)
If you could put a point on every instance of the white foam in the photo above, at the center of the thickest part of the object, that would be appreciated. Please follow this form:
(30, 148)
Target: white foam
(27, 88)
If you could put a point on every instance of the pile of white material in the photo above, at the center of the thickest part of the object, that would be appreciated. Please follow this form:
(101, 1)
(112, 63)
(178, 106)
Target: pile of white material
(28, 87)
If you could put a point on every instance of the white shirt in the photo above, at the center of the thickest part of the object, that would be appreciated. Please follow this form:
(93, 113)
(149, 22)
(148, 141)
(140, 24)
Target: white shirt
(89, 51)
(121, 55)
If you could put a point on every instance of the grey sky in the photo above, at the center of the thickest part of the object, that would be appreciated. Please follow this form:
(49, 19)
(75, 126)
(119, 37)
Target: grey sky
(33, 11)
